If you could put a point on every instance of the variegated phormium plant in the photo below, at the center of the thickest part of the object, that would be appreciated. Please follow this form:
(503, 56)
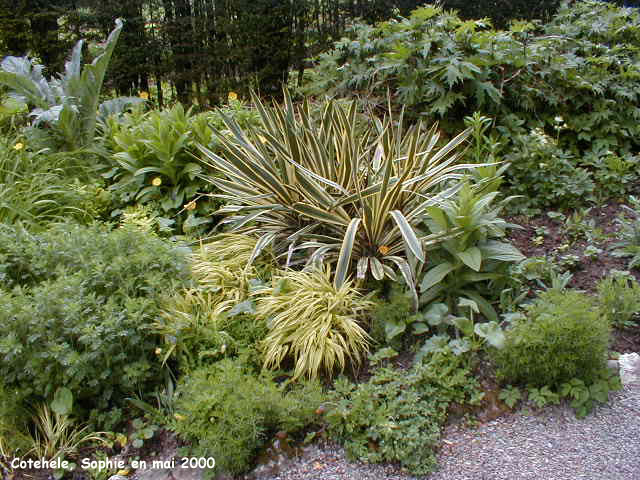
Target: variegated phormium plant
(350, 195)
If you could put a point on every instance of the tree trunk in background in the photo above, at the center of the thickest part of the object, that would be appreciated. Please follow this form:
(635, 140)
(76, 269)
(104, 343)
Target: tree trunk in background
(179, 33)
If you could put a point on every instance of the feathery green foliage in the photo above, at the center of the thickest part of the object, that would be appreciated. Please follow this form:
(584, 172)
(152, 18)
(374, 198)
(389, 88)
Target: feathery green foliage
(397, 415)
(564, 336)
(229, 413)
(78, 304)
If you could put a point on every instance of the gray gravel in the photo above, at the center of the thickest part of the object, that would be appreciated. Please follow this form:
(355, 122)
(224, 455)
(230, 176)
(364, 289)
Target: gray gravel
(547, 445)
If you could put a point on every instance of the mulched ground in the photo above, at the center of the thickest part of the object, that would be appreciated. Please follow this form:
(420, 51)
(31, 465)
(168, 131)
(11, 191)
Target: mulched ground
(599, 229)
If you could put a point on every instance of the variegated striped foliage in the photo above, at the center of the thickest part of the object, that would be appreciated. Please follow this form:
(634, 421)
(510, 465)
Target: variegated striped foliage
(314, 183)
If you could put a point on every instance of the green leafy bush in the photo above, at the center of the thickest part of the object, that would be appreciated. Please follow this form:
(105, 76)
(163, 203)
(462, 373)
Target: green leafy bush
(564, 336)
(619, 298)
(150, 159)
(471, 264)
(397, 416)
(229, 413)
(78, 303)
(573, 80)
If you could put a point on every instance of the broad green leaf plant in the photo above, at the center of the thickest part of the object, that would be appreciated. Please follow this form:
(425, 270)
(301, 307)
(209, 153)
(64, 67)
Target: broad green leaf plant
(68, 103)
(351, 197)
(464, 265)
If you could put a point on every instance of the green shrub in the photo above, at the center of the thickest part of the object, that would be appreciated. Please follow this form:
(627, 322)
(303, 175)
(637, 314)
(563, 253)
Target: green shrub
(151, 160)
(564, 336)
(564, 80)
(471, 264)
(619, 298)
(397, 416)
(78, 303)
(229, 413)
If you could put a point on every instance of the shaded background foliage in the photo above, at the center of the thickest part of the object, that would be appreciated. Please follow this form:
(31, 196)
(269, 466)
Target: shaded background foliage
(204, 48)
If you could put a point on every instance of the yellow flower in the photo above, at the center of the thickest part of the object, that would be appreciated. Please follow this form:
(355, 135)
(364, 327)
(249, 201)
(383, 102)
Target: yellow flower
(262, 139)
(383, 249)
(123, 473)
(158, 351)
(191, 205)
(18, 146)
(232, 96)
(178, 416)
(156, 182)
(144, 95)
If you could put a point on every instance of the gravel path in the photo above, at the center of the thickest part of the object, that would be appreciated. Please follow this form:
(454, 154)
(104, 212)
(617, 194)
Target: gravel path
(549, 445)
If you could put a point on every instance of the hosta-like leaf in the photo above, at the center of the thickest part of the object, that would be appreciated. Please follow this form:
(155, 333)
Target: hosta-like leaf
(472, 257)
(491, 332)
(436, 275)
(505, 252)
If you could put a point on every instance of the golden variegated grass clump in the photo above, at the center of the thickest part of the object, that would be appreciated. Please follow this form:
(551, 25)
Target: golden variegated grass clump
(222, 272)
(313, 322)
(222, 266)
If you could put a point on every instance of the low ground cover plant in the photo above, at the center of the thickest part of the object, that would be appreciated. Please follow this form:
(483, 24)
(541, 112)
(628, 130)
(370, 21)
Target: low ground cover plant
(397, 416)
(227, 411)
